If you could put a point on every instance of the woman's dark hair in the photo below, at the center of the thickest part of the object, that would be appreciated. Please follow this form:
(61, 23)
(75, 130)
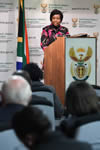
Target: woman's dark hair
(36, 74)
(81, 99)
(30, 120)
(56, 12)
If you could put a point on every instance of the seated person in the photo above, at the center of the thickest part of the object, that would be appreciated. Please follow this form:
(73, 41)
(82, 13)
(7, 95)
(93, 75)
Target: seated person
(16, 93)
(83, 108)
(36, 75)
(34, 130)
(40, 101)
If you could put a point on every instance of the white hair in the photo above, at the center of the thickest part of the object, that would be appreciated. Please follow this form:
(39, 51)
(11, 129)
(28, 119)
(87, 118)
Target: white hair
(16, 90)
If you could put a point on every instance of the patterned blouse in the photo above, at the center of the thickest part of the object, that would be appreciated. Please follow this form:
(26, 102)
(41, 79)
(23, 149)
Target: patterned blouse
(50, 33)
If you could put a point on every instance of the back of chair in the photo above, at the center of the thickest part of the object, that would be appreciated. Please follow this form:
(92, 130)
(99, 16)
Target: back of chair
(49, 112)
(9, 141)
(97, 89)
(46, 105)
(46, 94)
(90, 133)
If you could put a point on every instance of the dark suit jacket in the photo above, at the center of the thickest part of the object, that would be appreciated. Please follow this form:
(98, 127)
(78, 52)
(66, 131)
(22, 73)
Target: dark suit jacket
(6, 114)
(57, 141)
(70, 125)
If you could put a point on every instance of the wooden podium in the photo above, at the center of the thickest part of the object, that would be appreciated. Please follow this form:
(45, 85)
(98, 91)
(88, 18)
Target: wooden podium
(69, 59)
(54, 66)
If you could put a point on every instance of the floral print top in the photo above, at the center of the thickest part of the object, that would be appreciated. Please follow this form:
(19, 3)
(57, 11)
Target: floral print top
(50, 33)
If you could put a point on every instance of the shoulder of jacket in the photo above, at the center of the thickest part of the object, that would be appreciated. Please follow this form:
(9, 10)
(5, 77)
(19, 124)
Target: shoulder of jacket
(64, 28)
(46, 27)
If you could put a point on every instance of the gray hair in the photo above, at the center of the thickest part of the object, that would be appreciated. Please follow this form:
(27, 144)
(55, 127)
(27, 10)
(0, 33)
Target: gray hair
(16, 90)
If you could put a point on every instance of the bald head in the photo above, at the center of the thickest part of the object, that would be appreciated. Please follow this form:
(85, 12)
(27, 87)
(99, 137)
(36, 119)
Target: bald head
(16, 90)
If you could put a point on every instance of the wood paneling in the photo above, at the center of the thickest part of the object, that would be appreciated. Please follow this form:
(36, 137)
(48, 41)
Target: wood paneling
(54, 66)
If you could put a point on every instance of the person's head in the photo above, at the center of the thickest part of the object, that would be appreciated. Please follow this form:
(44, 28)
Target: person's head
(23, 74)
(16, 90)
(36, 74)
(30, 125)
(81, 99)
(56, 17)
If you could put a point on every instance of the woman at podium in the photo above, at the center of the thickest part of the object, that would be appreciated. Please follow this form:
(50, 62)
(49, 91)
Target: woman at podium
(52, 31)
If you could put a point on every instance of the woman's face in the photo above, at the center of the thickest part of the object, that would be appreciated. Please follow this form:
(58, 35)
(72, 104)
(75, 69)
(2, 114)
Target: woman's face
(56, 20)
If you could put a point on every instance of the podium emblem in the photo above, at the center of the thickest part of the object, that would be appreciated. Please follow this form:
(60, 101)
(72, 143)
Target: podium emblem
(80, 66)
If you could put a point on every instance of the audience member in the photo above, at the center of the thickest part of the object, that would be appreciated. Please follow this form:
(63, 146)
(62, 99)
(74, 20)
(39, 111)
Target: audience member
(34, 130)
(35, 99)
(16, 93)
(83, 108)
(81, 99)
(36, 75)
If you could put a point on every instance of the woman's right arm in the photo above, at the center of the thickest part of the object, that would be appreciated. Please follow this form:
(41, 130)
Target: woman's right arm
(44, 39)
